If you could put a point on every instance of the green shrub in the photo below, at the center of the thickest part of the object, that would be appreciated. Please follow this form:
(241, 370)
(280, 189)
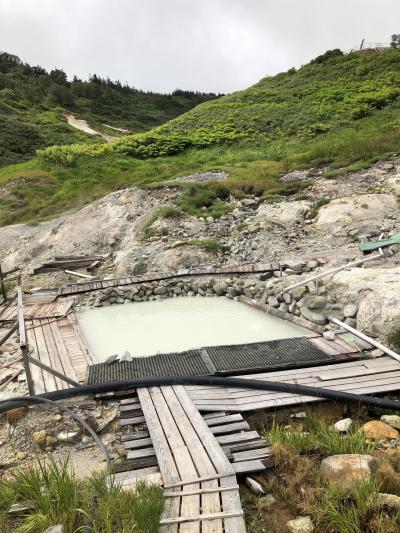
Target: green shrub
(210, 245)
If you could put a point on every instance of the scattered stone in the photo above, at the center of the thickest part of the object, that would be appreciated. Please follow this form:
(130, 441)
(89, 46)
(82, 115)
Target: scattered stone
(350, 311)
(126, 356)
(347, 469)
(313, 316)
(282, 213)
(68, 436)
(388, 500)
(266, 502)
(314, 302)
(57, 418)
(20, 456)
(51, 441)
(300, 414)
(329, 335)
(301, 524)
(111, 359)
(254, 485)
(343, 425)
(19, 508)
(39, 437)
(54, 529)
(376, 430)
(391, 420)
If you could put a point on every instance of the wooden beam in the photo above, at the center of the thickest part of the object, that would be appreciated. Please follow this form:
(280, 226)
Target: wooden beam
(199, 491)
(200, 517)
(78, 274)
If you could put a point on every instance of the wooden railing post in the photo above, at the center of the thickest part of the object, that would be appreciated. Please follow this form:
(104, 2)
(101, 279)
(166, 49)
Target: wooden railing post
(23, 343)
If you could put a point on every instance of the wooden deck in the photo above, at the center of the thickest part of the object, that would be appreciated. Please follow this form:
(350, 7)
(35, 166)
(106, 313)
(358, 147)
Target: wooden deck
(368, 376)
(195, 458)
(36, 310)
(60, 345)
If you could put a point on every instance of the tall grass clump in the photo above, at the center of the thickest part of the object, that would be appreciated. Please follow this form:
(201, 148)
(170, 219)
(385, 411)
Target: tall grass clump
(53, 495)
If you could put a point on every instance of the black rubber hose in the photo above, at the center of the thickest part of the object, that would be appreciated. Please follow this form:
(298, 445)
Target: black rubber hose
(41, 399)
(271, 386)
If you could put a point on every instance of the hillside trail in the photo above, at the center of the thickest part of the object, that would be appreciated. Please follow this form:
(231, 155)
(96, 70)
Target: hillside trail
(82, 125)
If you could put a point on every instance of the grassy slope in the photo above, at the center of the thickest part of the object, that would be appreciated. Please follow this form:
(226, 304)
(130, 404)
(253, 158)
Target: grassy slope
(339, 111)
(32, 102)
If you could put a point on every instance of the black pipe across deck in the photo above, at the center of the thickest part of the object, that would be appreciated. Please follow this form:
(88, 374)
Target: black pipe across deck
(213, 360)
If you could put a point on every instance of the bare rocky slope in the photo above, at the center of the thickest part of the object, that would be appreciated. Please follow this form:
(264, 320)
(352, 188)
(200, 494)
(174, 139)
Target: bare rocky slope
(324, 223)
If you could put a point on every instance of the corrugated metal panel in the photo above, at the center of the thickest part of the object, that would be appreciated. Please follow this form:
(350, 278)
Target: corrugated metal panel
(238, 358)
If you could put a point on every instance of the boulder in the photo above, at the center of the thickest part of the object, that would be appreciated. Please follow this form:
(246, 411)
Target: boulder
(391, 420)
(301, 524)
(313, 316)
(376, 430)
(343, 425)
(356, 209)
(379, 308)
(313, 301)
(347, 469)
(282, 213)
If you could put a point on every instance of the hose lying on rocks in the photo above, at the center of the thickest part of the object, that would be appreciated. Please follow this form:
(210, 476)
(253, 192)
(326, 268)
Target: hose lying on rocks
(270, 386)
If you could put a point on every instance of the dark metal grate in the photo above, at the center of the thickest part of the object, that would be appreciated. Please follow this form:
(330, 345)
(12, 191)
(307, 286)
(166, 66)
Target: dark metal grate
(237, 358)
(276, 354)
(188, 363)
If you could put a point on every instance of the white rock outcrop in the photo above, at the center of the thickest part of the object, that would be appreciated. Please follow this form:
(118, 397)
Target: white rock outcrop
(283, 213)
(356, 209)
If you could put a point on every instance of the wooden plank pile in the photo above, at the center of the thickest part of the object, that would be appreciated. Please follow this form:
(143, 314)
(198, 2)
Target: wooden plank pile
(70, 262)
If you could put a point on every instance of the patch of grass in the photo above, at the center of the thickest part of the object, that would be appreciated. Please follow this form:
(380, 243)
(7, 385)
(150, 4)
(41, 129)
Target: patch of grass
(164, 211)
(317, 204)
(205, 200)
(56, 496)
(319, 437)
(210, 245)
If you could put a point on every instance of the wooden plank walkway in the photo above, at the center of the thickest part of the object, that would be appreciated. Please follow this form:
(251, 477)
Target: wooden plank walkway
(367, 376)
(58, 344)
(76, 288)
(195, 458)
(36, 311)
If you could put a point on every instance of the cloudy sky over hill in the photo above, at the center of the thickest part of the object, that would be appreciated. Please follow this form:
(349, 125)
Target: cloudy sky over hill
(218, 45)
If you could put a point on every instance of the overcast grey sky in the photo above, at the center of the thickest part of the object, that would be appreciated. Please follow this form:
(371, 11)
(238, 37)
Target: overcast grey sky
(217, 45)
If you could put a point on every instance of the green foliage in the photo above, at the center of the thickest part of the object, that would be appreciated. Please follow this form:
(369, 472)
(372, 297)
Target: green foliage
(318, 436)
(205, 200)
(210, 245)
(56, 496)
(165, 211)
(28, 93)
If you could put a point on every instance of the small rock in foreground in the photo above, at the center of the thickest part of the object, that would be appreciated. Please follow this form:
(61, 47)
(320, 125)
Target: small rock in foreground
(302, 524)
(388, 500)
(54, 529)
(391, 420)
(346, 469)
(376, 430)
(343, 425)
(68, 436)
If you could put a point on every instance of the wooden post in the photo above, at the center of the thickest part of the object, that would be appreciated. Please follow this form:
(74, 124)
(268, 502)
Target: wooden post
(3, 289)
(23, 344)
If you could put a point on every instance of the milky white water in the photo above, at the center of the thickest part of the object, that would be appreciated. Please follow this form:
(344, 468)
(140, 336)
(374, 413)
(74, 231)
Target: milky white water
(177, 324)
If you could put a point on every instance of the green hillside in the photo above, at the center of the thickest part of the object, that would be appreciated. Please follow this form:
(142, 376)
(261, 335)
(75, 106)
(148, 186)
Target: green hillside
(33, 101)
(341, 112)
